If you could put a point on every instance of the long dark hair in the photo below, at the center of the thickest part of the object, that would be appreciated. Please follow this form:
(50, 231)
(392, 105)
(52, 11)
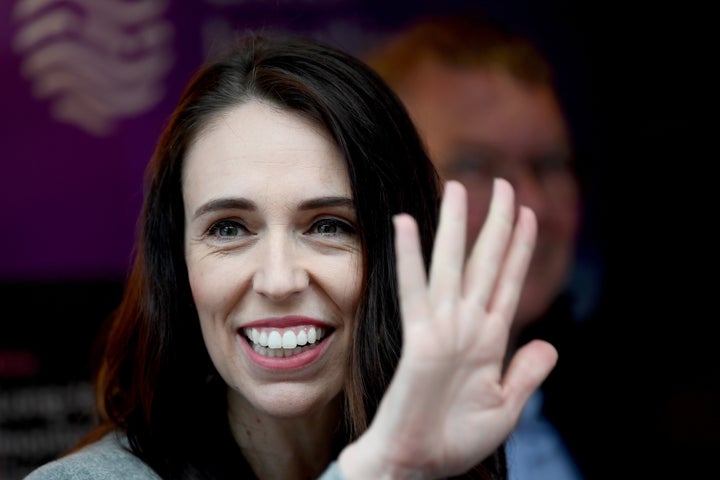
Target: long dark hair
(156, 381)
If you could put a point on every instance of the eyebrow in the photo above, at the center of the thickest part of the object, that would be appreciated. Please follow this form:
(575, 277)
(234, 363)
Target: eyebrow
(321, 202)
(245, 204)
(224, 204)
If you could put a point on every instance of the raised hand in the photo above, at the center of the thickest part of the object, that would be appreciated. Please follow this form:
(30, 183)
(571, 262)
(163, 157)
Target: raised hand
(452, 402)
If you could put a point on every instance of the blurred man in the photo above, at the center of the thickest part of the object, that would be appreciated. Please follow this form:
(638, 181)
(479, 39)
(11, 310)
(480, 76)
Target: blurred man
(484, 102)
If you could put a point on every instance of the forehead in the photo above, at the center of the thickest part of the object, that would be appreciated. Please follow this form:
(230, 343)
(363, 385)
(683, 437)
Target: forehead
(259, 149)
(482, 105)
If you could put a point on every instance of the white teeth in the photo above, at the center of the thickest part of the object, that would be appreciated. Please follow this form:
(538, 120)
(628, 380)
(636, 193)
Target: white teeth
(289, 339)
(274, 339)
(312, 335)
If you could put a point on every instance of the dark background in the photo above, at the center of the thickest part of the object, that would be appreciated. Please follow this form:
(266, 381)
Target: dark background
(635, 81)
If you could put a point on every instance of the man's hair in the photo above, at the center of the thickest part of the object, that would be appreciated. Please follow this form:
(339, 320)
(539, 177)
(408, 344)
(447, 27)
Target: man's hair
(455, 41)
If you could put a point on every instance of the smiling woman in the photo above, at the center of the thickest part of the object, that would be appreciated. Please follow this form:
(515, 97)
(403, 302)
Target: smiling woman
(301, 304)
(281, 255)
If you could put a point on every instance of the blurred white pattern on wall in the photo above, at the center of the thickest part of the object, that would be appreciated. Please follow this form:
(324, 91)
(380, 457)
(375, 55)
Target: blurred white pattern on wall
(96, 61)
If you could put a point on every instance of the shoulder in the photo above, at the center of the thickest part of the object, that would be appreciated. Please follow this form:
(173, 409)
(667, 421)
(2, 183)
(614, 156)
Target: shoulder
(109, 458)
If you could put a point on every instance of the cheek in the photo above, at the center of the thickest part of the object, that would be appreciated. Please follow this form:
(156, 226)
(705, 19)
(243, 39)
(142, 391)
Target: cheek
(202, 294)
(208, 291)
(343, 278)
(564, 198)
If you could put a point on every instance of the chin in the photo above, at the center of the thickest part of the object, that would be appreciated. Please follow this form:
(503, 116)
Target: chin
(290, 400)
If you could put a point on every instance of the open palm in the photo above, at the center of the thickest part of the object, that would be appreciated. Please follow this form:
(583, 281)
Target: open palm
(452, 402)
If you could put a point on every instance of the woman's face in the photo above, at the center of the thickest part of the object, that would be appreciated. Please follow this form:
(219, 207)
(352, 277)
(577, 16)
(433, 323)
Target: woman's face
(273, 257)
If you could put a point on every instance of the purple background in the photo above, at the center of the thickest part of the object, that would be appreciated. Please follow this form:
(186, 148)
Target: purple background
(70, 198)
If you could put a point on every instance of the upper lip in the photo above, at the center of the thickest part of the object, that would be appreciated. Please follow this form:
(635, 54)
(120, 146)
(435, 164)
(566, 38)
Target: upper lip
(287, 321)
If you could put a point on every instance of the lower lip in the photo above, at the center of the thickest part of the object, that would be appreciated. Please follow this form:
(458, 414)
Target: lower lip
(285, 363)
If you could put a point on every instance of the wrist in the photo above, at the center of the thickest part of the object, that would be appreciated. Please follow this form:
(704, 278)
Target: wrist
(366, 458)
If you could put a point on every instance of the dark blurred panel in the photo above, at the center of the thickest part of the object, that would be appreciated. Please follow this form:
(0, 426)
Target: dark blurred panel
(47, 335)
(56, 321)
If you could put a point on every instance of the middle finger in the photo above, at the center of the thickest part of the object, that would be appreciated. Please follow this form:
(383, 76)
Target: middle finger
(488, 253)
(448, 257)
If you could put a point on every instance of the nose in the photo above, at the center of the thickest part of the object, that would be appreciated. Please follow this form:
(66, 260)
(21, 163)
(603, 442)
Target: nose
(279, 273)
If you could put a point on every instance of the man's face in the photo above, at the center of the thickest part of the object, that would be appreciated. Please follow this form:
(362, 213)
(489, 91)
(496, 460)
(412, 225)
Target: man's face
(479, 124)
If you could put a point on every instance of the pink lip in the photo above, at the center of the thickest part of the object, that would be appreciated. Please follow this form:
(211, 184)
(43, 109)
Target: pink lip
(285, 322)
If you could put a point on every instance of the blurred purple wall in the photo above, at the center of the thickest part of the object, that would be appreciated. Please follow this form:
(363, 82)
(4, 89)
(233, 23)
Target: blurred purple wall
(86, 89)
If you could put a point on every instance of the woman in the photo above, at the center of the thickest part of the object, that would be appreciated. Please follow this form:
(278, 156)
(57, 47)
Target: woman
(261, 325)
